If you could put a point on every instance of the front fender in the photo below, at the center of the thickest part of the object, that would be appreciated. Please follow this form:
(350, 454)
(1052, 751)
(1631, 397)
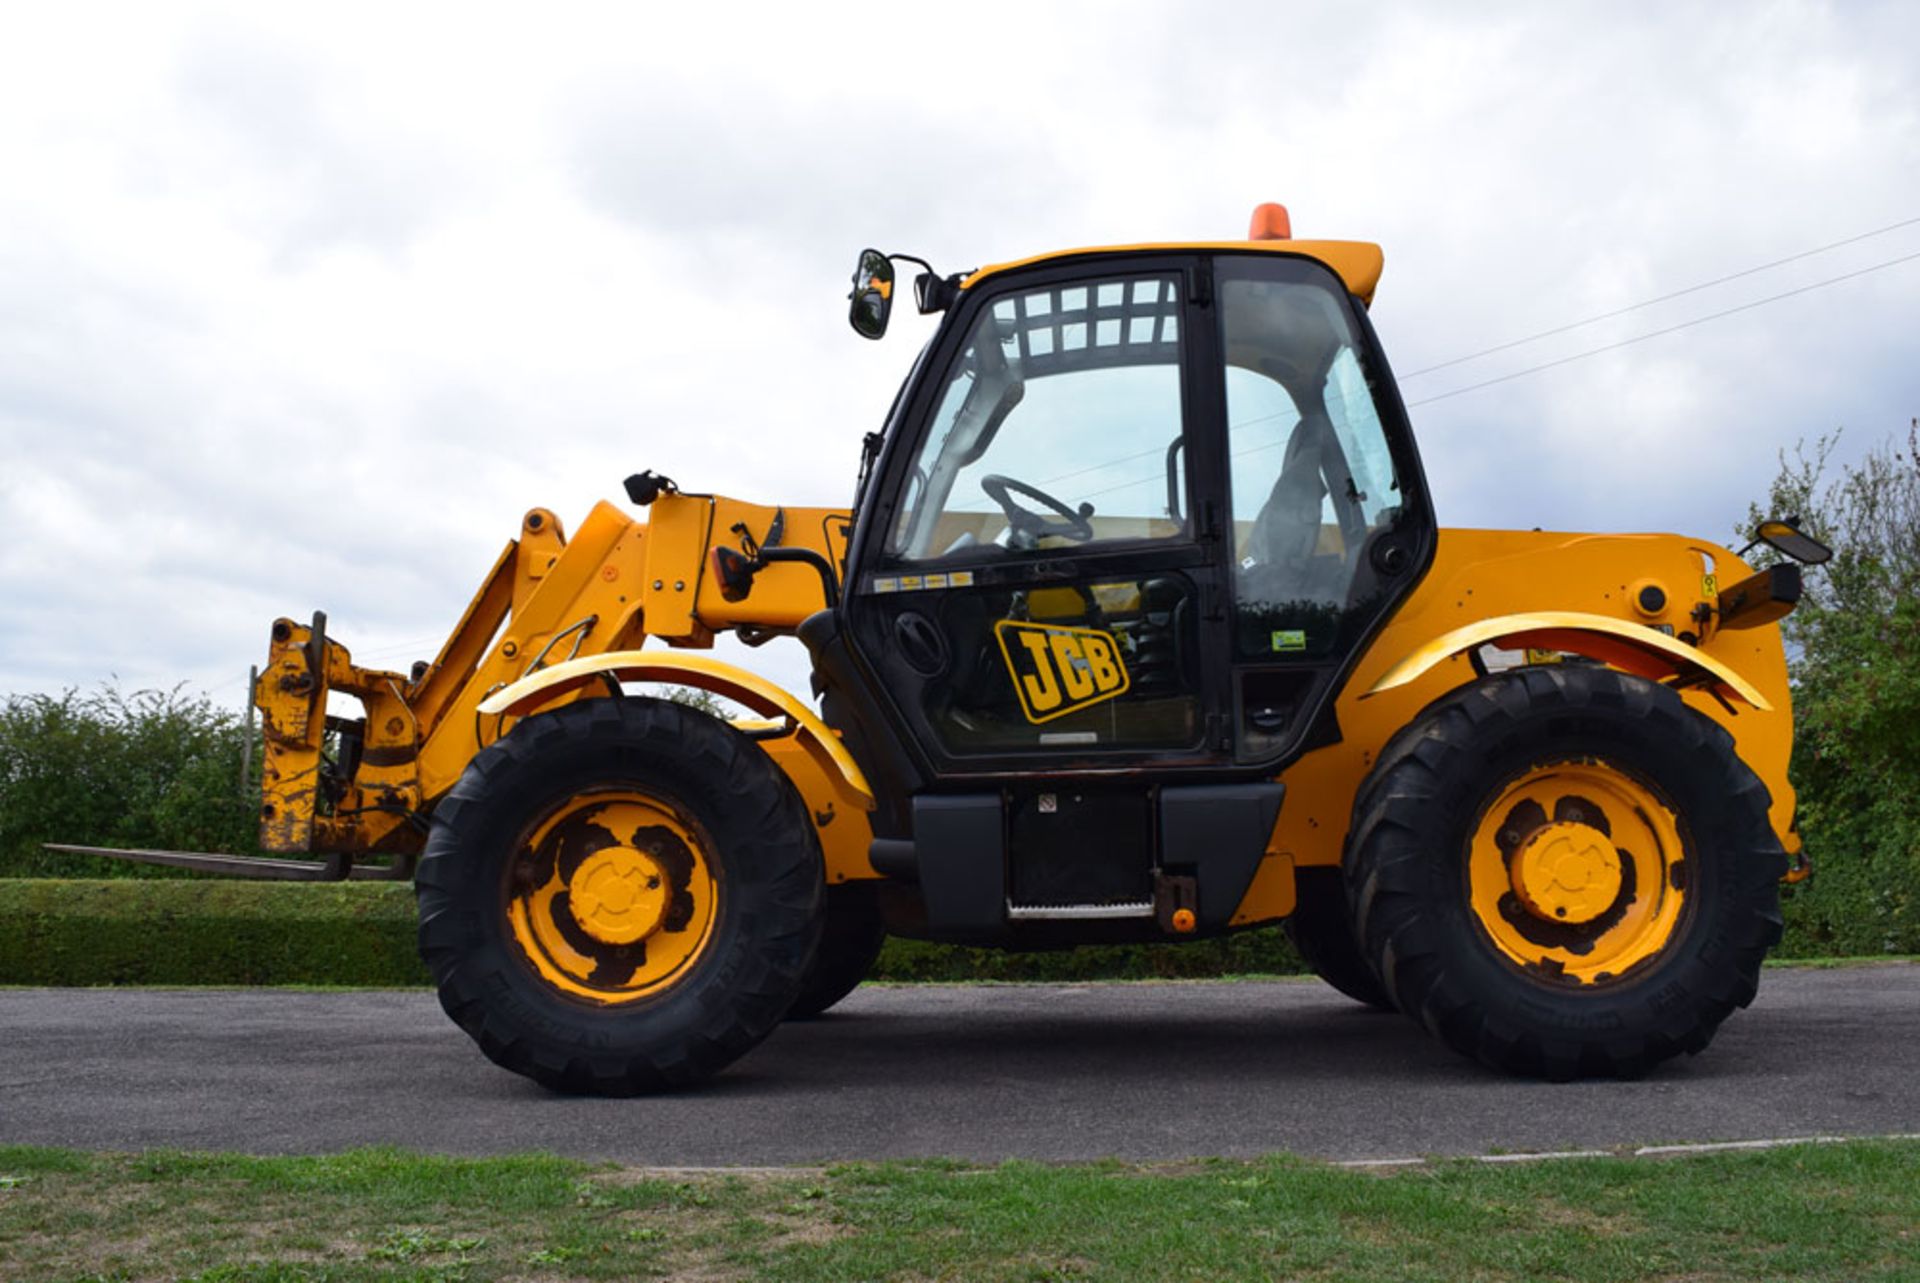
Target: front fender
(1621, 643)
(703, 672)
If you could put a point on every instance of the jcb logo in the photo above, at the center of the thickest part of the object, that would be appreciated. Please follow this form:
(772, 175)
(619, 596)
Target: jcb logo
(1056, 670)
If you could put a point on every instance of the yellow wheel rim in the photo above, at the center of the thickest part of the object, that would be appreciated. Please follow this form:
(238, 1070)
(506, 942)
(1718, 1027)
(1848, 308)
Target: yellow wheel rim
(612, 896)
(1578, 872)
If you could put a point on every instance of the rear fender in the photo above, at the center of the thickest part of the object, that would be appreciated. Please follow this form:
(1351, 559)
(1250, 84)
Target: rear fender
(1618, 643)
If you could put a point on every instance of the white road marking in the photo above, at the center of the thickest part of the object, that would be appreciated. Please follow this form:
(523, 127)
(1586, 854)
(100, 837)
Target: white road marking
(1643, 1151)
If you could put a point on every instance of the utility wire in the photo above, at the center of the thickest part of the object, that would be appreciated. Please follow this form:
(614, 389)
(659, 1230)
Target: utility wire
(1671, 329)
(1681, 293)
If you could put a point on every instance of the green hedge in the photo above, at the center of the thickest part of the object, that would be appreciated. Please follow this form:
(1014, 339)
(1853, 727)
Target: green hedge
(177, 932)
(208, 932)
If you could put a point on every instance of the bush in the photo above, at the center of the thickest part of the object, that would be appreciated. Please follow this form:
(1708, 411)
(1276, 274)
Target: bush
(1854, 647)
(151, 769)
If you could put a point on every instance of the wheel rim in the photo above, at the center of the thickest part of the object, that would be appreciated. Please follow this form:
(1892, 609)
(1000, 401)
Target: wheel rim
(1578, 873)
(612, 896)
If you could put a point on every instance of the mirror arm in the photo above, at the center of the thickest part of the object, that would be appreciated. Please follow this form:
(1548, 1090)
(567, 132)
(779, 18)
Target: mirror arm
(909, 258)
(931, 291)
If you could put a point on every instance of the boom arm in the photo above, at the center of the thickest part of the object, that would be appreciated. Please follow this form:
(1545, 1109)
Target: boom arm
(547, 600)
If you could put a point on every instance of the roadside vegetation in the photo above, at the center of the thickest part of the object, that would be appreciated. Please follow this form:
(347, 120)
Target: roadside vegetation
(163, 768)
(1816, 1212)
(209, 931)
(1854, 647)
(157, 769)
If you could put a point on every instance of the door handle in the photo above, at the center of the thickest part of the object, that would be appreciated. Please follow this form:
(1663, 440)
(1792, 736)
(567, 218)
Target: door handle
(921, 644)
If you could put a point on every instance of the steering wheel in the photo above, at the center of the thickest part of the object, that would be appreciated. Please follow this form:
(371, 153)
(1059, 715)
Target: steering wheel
(1025, 522)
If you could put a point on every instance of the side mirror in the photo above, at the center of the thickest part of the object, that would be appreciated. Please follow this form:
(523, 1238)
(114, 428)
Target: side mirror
(872, 294)
(1785, 535)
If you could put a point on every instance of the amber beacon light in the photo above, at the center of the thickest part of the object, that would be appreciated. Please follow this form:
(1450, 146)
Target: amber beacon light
(1270, 223)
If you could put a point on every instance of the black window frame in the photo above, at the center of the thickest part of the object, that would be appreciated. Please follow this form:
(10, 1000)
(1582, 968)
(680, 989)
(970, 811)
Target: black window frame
(902, 455)
(1204, 551)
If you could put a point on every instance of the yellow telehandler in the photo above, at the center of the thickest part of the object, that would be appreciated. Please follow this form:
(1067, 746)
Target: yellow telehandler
(1140, 627)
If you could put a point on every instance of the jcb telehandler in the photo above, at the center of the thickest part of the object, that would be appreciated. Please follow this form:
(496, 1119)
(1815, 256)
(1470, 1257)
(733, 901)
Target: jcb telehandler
(1140, 627)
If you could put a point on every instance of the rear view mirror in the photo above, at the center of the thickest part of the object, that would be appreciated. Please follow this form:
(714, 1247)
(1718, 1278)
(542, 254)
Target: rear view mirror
(1787, 537)
(872, 294)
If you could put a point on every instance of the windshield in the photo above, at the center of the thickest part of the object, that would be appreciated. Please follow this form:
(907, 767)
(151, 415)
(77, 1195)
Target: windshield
(1060, 424)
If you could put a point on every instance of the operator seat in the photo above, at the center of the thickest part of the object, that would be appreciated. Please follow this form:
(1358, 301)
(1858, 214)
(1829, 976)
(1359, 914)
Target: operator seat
(1282, 562)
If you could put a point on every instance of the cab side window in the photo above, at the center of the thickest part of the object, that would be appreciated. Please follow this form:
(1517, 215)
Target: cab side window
(1312, 478)
(1060, 425)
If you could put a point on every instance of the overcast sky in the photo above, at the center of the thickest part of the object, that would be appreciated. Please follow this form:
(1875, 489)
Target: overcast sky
(303, 306)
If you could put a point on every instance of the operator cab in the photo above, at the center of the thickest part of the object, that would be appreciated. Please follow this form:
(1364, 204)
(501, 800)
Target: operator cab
(1134, 515)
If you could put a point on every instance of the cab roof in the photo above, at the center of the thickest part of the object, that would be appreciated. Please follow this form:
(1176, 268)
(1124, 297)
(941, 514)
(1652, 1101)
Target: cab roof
(1356, 263)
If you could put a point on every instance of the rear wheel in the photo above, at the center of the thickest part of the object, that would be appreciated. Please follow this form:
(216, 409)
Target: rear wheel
(1321, 929)
(1565, 871)
(619, 896)
(849, 945)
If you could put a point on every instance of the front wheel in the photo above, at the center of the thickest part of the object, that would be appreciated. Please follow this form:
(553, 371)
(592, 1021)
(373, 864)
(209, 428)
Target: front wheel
(619, 896)
(1565, 871)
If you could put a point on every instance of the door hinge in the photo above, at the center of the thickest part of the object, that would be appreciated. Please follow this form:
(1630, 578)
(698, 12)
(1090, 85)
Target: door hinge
(1212, 606)
(1219, 731)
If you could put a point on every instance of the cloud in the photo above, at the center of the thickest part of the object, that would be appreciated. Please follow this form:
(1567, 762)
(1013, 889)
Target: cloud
(297, 314)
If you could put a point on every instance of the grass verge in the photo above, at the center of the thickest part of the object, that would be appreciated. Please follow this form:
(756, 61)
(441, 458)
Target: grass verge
(1838, 1212)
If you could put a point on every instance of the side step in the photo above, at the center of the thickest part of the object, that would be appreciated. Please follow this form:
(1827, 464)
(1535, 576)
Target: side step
(1077, 912)
(337, 867)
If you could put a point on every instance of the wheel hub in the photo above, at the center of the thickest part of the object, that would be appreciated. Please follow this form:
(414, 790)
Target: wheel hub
(1567, 872)
(619, 895)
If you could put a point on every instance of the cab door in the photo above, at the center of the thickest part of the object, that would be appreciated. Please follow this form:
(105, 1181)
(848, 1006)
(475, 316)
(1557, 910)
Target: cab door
(1041, 596)
(1042, 593)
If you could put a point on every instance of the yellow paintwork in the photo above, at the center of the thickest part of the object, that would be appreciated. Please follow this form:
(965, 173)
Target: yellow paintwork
(702, 671)
(555, 613)
(619, 895)
(1483, 574)
(632, 921)
(547, 599)
(1566, 873)
(292, 702)
(1641, 853)
(1681, 657)
(1356, 263)
(543, 585)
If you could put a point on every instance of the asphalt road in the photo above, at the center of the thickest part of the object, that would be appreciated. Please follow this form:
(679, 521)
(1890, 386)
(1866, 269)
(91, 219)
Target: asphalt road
(1047, 1072)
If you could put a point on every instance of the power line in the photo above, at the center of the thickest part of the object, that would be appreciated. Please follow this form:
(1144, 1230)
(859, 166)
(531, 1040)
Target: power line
(1681, 293)
(1671, 329)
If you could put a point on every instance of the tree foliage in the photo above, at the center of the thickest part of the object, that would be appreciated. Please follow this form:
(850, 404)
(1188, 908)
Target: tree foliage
(1854, 648)
(107, 768)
